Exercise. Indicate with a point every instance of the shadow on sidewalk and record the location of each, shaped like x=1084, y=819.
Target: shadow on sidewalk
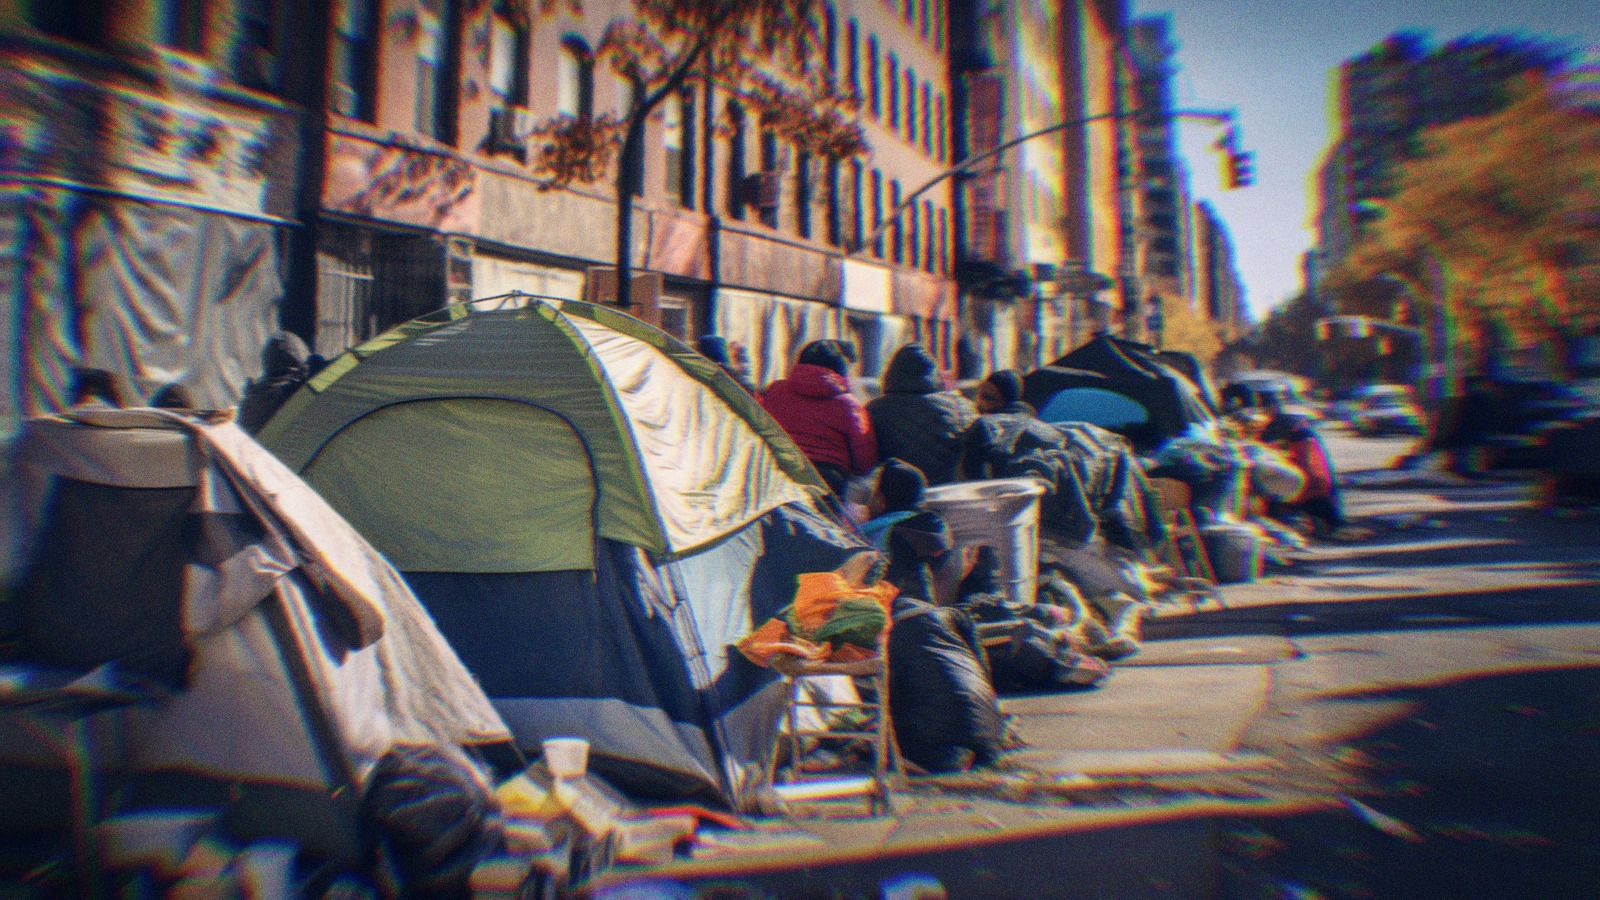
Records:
x=1536, y=605
x=1486, y=787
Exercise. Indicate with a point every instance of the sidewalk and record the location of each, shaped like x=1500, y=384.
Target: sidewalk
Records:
x=1154, y=748
x=1144, y=786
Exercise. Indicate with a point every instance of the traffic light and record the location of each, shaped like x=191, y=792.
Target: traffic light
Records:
x=1241, y=169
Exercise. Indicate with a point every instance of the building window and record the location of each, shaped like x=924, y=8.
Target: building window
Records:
x=736, y=139
x=893, y=79
x=910, y=11
x=508, y=55
x=73, y=20
x=830, y=40
x=183, y=25
x=256, y=53
x=677, y=136
x=803, y=193
x=944, y=241
x=930, y=250
x=877, y=211
x=926, y=20
x=575, y=79
x=436, y=81
x=351, y=89
x=938, y=23
x=835, y=223
x=633, y=90
x=874, y=87
x=897, y=245
x=769, y=173
x=914, y=233
x=855, y=196
x=911, y=105
x=852, y=62
x=941, y=130
x=927, y=118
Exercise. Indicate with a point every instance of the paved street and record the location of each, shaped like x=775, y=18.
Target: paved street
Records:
x=1414, y=715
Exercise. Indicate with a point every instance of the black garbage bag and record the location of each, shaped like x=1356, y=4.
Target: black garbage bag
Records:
x=1039, y=658
x=945, y=712
x=437, y=818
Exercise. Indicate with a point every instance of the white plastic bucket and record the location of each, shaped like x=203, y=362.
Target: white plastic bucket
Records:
x=1002, y=513
x=1237, y=551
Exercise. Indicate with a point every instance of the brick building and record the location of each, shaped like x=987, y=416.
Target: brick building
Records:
x=428, y=196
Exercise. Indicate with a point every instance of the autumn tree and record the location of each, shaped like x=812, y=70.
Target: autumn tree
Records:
x=1491, y=219
x=1185, y=328
x=765, y=53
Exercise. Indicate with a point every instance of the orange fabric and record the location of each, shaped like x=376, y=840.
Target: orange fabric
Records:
x=772, y=638
x=814, y=603
x=820, y=593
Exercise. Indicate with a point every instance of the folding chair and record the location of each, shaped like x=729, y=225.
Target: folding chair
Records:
x=793, y=781
x=1184, y=548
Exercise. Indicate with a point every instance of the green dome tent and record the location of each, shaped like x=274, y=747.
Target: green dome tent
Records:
x=591, y=511
x=535, y=395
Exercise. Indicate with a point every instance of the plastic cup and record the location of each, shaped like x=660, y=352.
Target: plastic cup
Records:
x=566, y=757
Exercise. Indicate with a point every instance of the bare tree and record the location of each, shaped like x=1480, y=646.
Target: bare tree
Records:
x=767, y=53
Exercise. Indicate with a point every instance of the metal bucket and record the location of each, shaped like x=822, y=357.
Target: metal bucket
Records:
x=1237, y=551
x=1002, y=513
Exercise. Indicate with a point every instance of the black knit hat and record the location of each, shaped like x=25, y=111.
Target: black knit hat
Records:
x=1008, y=384
x=901, y=485
x=835, y=356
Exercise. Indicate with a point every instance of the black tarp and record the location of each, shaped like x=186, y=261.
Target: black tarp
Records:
x=1173, y=401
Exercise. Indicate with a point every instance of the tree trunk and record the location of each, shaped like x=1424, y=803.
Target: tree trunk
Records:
x=627, y=186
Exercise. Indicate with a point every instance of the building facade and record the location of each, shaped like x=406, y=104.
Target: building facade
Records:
x=1165, y=229
x=1219, y=292
x=187, y=176
x=1043, y=236
x=1386, y=97
x=428, y=194
x=152, y=189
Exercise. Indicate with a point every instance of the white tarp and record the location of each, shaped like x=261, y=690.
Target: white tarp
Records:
x=158, y=294
x=496, y=275
x=771, y=329
x=398, y=681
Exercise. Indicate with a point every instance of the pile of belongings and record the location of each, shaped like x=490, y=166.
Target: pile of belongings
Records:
x=943, y=706
x=1099, y=516
x=834, y=618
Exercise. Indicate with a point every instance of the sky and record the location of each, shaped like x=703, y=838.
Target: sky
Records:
x=1276, y=62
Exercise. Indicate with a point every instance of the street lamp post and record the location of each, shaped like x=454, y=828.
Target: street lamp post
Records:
x=1216, y=117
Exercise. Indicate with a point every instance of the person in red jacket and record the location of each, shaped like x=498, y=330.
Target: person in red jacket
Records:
x=815, y=407
x=1319, y=499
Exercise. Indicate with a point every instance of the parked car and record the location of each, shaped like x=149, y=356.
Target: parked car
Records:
x=1257, y=388
x=1512, y=419
x=1387, y=409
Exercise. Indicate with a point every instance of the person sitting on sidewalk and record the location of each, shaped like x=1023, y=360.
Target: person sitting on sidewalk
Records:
x=815, y=406
x=917, y=420
x=1319, y=500
x=918, y=541
x=1007, y=430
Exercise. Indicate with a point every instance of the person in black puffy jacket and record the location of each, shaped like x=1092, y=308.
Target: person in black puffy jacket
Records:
x=917, y=420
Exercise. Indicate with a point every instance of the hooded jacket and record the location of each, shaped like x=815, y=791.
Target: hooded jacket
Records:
x=919, y=421
x=998, y=442
x=815, y=407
